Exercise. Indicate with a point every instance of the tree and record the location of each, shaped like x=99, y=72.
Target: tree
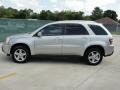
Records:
x=24, y=14
x=111, y=14
x=43, y=15
x=68, y=15
x=119, y=20
x=50, y=15
x=2, y=11
x=34, y=16
x=87, y=17
x=78, y=15
x=97, y=13
x=11, y=13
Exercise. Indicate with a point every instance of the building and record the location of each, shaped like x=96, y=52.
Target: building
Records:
x=110, y=24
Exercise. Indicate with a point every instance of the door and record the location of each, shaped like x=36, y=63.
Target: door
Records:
x=75, y=38
x=50, y=41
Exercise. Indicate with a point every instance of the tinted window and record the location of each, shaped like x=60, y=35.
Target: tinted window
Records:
x=98, y=30
x=53, y=30
x=75, y=29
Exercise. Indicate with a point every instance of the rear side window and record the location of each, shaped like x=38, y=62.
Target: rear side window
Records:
x=98, y=30
x=75, y=29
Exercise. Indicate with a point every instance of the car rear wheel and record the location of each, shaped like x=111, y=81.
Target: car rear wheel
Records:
x=93, y=56
x=20, y=54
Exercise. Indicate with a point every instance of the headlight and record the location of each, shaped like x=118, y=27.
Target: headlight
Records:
x=7, y=40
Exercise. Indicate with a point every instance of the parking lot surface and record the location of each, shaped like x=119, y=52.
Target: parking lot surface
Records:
x=61, y=73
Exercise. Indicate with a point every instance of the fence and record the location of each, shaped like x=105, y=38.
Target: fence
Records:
x=113, y=28
x=14, y=26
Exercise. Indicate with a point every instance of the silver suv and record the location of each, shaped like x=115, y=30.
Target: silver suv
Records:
x=82, y=38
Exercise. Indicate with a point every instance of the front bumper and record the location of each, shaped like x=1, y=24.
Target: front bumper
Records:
x=109, y=50
x=6, y=48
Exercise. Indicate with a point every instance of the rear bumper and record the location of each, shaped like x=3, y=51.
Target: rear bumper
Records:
x=109, y=50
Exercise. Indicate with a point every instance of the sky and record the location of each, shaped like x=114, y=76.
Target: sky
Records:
x=57, y=5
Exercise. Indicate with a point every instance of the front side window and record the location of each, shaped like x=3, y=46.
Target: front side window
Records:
x=75, y=29
x=98, y=30
x=53, y=30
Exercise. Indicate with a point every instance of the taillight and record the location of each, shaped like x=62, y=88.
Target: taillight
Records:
x=111, y=41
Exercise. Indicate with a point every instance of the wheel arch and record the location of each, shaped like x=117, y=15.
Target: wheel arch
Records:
x=96, y=46
x=20, y=44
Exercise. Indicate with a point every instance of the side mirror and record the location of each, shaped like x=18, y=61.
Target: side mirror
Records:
x=39, y=34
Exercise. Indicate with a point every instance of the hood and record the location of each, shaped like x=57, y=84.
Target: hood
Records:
x=20, y=36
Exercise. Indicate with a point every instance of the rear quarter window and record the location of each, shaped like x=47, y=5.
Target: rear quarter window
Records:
x=98, y=30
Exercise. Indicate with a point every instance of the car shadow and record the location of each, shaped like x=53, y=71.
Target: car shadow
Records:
x=57, y=59
x=50, y=59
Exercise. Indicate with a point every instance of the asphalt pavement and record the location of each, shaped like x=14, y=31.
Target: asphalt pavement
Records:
x=61, y=73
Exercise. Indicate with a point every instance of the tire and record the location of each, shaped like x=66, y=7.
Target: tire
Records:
x=93, y=56
x=20, y=54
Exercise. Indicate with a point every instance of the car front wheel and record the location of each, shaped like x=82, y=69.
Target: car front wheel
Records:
x=20, y=54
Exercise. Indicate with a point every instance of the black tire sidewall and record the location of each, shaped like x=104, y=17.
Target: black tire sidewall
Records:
x=90, y=50
x=25, y=49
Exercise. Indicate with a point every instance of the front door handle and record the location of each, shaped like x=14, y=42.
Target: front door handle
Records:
x=58, y=38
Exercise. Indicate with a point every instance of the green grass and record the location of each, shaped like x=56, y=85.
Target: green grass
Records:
x=115, y=33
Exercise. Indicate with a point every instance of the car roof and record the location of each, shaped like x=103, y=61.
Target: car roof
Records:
x=76, y=21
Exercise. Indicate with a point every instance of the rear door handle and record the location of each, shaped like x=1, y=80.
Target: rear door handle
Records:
x=84, y=38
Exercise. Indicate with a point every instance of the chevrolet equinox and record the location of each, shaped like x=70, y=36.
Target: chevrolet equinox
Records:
x=81, y=38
